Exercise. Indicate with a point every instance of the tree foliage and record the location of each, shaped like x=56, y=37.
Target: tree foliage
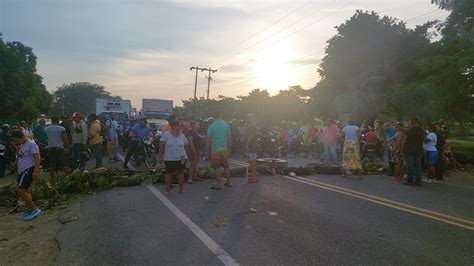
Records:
x=291, y=104
x=22, y=93
x=78, y=97
x=376, y=65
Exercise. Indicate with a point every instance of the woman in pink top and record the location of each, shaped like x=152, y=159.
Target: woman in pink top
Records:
x=330, y=136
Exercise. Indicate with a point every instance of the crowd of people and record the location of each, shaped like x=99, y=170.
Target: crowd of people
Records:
x=68, y=143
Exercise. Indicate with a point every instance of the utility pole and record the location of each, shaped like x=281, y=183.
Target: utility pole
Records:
x=195, y=84
x=209, y=78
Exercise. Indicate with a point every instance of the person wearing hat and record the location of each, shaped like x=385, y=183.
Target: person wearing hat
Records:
x=80, y=135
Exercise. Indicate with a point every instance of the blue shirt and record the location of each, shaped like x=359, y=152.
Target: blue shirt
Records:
x=350, y=133
x=218, y=132
x=112, y=125
x=141, y=131
x=391, y=132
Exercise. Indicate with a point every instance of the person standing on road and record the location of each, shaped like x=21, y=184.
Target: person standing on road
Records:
x=397, y=152
x=95, y=140
x=112, y=127
x=66, y=123
x=440, y=144
x=38, y=131
x=413, y=152
x=28, y=170
x=330, y=135
x=80, y=135
x=218, y=137
x=139, y=131
x=57, y=148
x=172, y=151
x=431, y=153
x=251, y=134
x=351, y=149
x=194, y=151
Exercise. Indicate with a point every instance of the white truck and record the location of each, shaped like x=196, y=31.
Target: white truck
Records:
x=157, y=111
x=119, y=107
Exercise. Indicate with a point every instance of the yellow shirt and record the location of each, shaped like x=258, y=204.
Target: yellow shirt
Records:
x=94, y=133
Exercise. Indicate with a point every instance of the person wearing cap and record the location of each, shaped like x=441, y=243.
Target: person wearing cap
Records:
x=80, y=135
x=38, y=131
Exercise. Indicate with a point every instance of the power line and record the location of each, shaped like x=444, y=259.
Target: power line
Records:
x=298, y=30
x=276, y=22
x=284, y=28
x=420, y=16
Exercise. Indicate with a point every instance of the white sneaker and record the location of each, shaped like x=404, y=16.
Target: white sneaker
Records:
x=434, y=181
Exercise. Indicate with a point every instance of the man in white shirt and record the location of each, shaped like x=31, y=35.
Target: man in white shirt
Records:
x=431, y=153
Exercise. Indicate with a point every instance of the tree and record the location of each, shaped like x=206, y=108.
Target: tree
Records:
x=78, y=97
x=291, y=104
x=22, y=93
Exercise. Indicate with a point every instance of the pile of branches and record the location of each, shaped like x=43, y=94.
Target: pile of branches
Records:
x=49, y=195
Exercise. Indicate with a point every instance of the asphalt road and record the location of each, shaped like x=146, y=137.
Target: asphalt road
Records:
x=316, y=220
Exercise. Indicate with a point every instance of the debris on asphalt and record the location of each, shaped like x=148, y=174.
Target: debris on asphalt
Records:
x=252, y=210
x=219, y=224
x=272, y=213
x=67, y=219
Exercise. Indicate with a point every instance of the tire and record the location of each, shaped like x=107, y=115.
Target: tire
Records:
x=150, y=158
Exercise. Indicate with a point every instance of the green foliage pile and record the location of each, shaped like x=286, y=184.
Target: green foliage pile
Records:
x=369, y=168
x=48, y=195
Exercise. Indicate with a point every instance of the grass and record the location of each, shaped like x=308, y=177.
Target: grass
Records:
x=463, y=147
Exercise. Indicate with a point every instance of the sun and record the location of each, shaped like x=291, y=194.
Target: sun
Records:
x=273, y=70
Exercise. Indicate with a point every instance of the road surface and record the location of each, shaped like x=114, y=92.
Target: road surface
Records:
x=315, y=220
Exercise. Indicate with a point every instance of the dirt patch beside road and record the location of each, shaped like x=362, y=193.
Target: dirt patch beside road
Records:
x=24, y=243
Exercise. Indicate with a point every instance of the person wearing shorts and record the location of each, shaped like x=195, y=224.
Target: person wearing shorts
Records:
x=431, y=153
x=251, y=147
x=218, y=137
x=57, y=145
x=28, y=170
x=172, y=151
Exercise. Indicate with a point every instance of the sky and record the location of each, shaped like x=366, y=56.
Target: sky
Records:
x=145, y=48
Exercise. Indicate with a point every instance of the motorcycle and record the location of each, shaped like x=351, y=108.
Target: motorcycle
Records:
x=146, y=153
x=267, y=145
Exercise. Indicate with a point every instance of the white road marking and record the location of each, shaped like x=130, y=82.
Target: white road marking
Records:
x=208, y=241
x=211, y=244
